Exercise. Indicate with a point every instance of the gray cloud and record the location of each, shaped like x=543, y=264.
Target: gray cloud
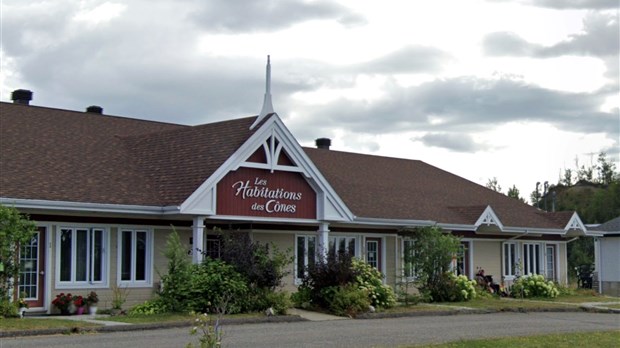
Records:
x=600, y=38
x=267, y=15
x=452, y=141
x=464, y=105
x=569, y=4
x=408, y=59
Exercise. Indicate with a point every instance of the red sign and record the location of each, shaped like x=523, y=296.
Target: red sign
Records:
x=257, y=192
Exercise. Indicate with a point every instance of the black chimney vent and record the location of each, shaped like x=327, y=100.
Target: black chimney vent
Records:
x=323, y=143
x=95, y=109
x=21, y=96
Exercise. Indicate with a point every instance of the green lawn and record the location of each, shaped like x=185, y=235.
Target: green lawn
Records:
x=583, y=339
x=13, y=324
x=169, y=317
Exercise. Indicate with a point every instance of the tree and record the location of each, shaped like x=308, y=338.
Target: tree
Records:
x=513, y=192
x=15, y=230
x=494, y=185
x=567, y=179
x=606, y=169
x=432, y=255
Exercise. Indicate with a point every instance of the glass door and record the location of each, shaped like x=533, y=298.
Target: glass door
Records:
x=32, y=272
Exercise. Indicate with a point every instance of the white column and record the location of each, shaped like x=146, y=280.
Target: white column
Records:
x=597, y=263
x=198, y=238
x=323, y=233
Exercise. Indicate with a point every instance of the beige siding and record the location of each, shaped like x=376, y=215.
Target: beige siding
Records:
x=487, y=255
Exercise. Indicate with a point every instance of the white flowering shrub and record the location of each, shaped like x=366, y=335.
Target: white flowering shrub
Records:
x=370, y=280
x=534, y=286
x=466, y=289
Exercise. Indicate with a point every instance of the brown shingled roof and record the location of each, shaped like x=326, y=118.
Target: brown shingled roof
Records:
x=60, y=155
x=393, y=188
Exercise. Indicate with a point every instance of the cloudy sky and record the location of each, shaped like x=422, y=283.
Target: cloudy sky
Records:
x=516, y=90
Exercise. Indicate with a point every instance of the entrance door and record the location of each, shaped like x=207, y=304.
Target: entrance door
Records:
x=373, y=252
x=32, y=273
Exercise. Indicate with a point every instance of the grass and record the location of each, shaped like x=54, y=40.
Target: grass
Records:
x=582, y=339
x=15, y=324
x=582, y=295
x=167, y=317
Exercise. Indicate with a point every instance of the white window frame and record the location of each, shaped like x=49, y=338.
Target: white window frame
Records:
x=510, y=263
x=529, y=267
x=89, y=283
x=306, y=240
x=411, y=276
x=148, y=262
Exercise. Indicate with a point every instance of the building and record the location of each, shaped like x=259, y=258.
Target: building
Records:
x=106, y=191
x=607, y=257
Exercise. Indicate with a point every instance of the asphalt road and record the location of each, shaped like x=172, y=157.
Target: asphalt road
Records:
x=345, y=333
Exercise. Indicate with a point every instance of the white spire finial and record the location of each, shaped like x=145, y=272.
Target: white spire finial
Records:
x=267, y=105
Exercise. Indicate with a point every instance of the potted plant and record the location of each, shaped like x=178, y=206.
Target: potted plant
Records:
x=79, y=303
x=92, y=299
x=63, y=302
x=22, y=305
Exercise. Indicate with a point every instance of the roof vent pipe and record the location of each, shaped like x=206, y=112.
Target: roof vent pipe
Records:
x=21, y=96
x=95, y=109
x=323, y=143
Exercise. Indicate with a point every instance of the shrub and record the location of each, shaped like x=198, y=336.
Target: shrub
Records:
x=371, y=280
x=534, y=286
x=263, y=265
x=466, y=289
x=348, y=299
x=156, y=306
x=175, y=282
x=326, y=275
x=302, y=298
x=214, y=286
x=432, y=255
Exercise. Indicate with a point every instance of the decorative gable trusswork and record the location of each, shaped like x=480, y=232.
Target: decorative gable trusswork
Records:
x=488, y=218
x=575, y=223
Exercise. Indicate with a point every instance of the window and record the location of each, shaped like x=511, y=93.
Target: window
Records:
x=531, y=258
x=510, y=260
x=212, y=247
x=461, y=261
x=343, y=244
x=134, y=257
x=305, y=254
x=550, y=261
x=80, y=259
x=408, y=255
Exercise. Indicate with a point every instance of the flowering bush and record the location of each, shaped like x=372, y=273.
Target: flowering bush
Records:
x=466, y=289
x=370, y=280
x=62, y=301
x=534, y=286
x=92, y=298
x=78, y=301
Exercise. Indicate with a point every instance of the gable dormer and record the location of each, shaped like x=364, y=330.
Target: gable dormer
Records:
x=489, y=220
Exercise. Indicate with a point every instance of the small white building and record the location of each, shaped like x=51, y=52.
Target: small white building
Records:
x=607, y=257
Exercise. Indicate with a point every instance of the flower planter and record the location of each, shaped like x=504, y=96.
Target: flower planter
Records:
x=22, y=312
x=92, y=309
x=79, y=311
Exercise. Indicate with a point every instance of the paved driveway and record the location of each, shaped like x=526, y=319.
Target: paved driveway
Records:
x=347, y=333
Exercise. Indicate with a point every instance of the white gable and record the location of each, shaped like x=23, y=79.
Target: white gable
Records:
x=274, y=139
x=488, y=218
